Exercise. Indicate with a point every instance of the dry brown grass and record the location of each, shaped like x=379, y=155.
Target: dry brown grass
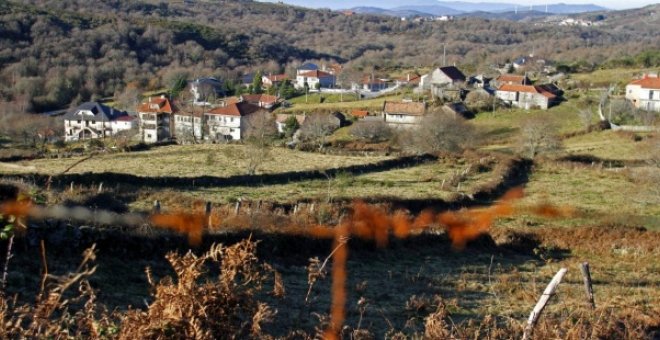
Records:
x=194, y=160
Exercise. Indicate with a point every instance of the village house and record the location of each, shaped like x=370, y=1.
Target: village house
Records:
x=645, y=93
x=448, y=76
x=315, y=79
x=94, y=120
x=511, y=79
x=374, y=84
x=403, y=114
x=408, y=79
x=188, y=124
x=155, y=119
x=444, y=82
x=229, y=122
x=206, y=90
x=527, y=96
x=273, y=80
x=281, y=118
x=261, y=100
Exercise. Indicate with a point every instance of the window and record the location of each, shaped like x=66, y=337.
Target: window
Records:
x=231, y=119
x=149, y=135
x=650, y=94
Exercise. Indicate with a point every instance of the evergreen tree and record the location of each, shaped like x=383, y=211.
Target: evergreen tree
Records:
x=257, y=83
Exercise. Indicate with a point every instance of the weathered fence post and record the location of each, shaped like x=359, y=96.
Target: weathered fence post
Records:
x=156, y=207
x=540, y=305
x=207, y=212
x=586, y=275
x=71, y=187
x=295, y=209
x=100, y=188
x=238, y=207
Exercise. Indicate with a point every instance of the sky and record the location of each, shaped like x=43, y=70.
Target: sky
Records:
x=612, y=4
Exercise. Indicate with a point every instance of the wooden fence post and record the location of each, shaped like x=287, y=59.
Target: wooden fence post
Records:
x=207, y=212
x=238, y=207
x=586, y=275
x=156, y=207
x=540, y=305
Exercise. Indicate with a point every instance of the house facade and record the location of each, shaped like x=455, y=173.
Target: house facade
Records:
x=315, y=79
x=448, y=76
x=92, y=120
x=205, y=90
x=229, y=122
x=527, y=96
x=261, y=100
x=155, y=119
x=188, y=125
x=403, y=114
x=273, y=80
x=645, y=93
x=512, y=79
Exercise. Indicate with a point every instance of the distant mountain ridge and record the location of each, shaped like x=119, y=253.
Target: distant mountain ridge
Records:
x=438, y=8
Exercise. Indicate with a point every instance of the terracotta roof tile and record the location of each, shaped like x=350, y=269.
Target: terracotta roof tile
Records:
x=648, y=82
x=237, y=109
x=527, y=89
x=156, y=105
x=513, y=78
x=359, y=113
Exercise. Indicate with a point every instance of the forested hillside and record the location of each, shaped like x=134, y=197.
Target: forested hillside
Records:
x=57, y=52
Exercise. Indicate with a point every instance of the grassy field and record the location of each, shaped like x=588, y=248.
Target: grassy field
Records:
x=604, y=78
x=195, y=160
x=420, y=182
x=332, y=103
x=610, y=145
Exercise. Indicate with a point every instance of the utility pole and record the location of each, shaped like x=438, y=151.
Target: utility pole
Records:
x=444, y=54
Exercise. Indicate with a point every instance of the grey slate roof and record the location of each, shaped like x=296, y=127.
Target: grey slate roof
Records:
x=453, y=73
x=100, y=111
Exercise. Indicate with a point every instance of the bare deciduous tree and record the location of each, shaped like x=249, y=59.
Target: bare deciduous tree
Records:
x=371, y=131
x=538, y=135
x=439, y=131
x=317, y=128
x=260, y=133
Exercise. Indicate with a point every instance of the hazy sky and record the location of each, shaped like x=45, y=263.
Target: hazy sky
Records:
x=613, y=4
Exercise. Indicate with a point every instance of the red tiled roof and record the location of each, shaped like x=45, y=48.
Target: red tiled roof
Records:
x=259, y=98
x=512, y=78
x=412, y=108
x=163, y=106
x=359, y=113
x=316, y=74
x=527, y=89
x=237, y=109
x=648, y=82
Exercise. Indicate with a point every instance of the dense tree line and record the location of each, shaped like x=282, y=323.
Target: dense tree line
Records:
x=55, y=53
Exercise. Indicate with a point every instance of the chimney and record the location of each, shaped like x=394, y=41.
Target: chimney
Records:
x=162, y=96
x=408, y=76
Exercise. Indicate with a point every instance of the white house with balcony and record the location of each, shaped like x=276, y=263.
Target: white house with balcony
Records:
x=188, y=125
x=94, y=120
x=645, y=93
x=229, y=122
x=155, y=119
